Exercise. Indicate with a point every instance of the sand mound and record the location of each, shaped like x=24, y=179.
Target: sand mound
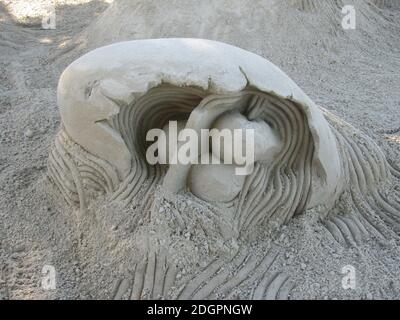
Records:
x=267, y=27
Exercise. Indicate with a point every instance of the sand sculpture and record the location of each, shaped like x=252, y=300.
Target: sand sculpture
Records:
x=306, y=157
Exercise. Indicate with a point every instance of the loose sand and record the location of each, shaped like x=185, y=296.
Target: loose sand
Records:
x=354, y=74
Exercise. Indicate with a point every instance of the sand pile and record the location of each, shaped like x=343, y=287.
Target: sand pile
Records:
x=266, y=27
x=101, y=253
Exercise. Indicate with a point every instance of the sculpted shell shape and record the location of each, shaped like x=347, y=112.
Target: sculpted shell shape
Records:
x=112, y=96
x=100, y=86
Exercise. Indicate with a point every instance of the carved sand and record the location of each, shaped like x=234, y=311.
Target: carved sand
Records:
x=109, y=99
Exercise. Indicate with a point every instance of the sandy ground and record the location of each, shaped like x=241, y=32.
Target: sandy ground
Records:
x=356, y=76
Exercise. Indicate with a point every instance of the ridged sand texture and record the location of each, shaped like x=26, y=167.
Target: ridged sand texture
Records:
x=323, y=159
